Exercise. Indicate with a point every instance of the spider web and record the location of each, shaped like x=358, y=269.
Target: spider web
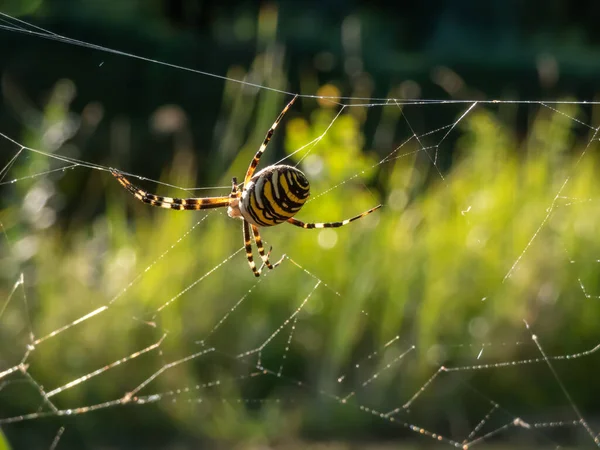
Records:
x=229, y=360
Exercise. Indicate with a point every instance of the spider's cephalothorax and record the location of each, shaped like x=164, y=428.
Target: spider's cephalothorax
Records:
x=269, y=197
x=274, y=195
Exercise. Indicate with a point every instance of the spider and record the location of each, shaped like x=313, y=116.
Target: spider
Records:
x=270, y=197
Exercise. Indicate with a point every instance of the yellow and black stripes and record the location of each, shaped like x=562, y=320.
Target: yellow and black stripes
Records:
x=301, y=224
x=169, y=202
x=248, y=247
x=274, y=195
x=261, y=250
x=263, y=147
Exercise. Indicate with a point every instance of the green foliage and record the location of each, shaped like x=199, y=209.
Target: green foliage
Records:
x=505, y=229
x=3, y=442
x=454, y=258
x=18, y=8
x=430, y=267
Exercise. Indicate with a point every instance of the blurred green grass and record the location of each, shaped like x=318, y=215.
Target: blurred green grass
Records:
x=429, y=267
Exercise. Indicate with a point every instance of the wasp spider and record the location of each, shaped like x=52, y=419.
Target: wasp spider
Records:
x=269, y=197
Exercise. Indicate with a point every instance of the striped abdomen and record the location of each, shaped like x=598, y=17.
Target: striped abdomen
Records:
x=273, y=195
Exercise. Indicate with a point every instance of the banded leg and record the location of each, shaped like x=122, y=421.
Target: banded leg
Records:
x=170, y=202
x=261, y=250
x=301, y=224
x=234, y=188
x=248, y=247
x=268, y=137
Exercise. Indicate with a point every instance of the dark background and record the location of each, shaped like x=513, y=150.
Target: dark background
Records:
x=500, y=49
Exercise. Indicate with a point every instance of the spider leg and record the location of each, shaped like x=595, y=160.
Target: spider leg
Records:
x=268, y=137
x=234, y=188
x=301, y=224
x=261, y=250
x=170, y=202
x=248, y=246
